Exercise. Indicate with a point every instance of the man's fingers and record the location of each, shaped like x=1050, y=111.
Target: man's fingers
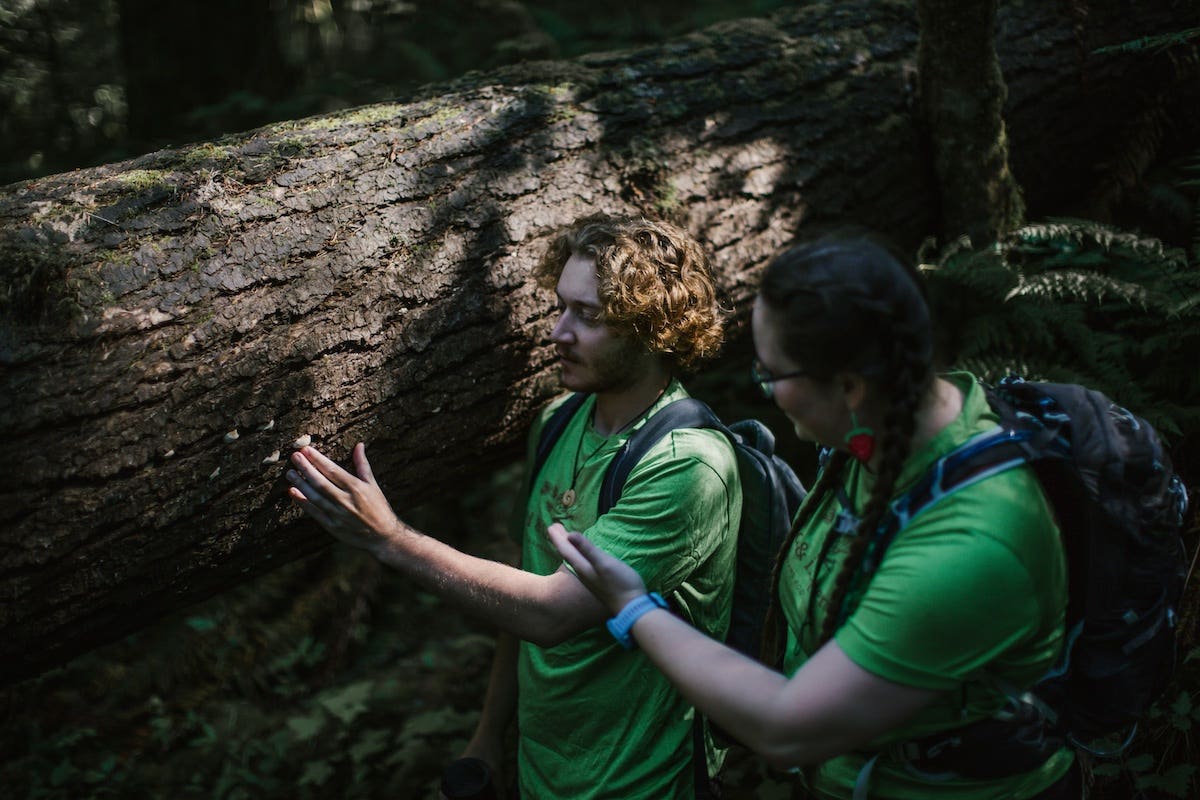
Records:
x=361, y=465
x=328, y=469
x=307, y=467
x=309, y=507
x=570, y=553
x=558, y=537
x=587, y=548
x=317, y=495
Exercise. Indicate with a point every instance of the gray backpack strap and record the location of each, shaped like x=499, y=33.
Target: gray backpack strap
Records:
x=685, y=413
x=552, y=431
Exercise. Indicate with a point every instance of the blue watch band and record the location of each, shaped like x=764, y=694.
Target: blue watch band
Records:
x=621, y=625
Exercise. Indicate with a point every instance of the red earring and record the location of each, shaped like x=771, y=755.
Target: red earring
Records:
x=860, y=441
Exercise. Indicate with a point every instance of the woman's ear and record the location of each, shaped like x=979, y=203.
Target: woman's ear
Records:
x=854, y=389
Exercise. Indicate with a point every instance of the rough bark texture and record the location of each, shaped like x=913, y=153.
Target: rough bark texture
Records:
x=174, y=323
x=962, y=100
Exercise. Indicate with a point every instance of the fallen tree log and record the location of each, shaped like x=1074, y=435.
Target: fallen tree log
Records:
x=174, y=323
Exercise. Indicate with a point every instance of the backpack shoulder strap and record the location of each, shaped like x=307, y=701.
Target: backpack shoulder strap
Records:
x=980, y=457
x=552, y=430
x=687, y=412
x=1031, y=431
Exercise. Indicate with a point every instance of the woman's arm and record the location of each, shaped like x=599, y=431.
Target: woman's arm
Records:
x=829, y=707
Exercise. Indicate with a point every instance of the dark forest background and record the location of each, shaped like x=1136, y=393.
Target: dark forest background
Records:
x=85, y=83
x=330, y=677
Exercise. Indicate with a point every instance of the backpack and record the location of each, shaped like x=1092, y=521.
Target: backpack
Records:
x=771, y=494
x=1120, y=510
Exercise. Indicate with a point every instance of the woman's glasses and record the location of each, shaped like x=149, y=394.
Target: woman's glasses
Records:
x=766, y=379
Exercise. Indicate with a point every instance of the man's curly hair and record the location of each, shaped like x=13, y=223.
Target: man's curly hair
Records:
x=655, y=283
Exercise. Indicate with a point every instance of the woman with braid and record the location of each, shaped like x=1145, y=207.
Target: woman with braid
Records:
x=966, y=603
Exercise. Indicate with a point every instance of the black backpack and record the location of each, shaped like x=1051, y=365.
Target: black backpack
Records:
x=1120, y=509
x=771, y=494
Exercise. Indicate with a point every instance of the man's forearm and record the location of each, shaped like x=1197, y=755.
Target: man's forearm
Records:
x=543, y=609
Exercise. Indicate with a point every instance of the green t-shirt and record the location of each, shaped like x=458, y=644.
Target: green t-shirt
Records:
x=970, y=594
x=596, y=720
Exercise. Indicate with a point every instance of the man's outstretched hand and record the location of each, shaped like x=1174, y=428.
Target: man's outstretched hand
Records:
x=351, y=507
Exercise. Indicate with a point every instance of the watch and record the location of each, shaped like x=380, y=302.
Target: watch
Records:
x=621, y=625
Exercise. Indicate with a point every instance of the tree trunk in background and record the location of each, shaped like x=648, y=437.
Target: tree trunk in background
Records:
x=177, y=321
x=962, y=101
x=178, y=56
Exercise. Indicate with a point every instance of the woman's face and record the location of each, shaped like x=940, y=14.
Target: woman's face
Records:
x=818, y=410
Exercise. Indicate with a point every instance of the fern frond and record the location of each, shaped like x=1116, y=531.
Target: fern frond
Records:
x=1185, y=307
x=1072, y=235
x=1160, y=42
x=1056, y=234
x=1077, y=285
x=1077, y=301
x=978, y=277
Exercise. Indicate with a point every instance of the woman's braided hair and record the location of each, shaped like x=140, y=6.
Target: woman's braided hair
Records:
x=848, y=304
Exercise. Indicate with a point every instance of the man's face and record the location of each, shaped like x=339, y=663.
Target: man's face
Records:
x=593, y=358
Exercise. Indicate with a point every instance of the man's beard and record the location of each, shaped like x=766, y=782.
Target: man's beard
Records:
x=615, y=370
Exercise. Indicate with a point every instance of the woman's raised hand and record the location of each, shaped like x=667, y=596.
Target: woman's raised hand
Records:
x=613, y=581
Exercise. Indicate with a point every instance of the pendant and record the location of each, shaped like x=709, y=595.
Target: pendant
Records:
x=568, y=498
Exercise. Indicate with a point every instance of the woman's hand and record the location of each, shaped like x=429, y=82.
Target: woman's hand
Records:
x=351, y=507
x=613, y=581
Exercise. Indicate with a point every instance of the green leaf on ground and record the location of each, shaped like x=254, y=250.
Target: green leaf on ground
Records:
x=316, y=773
x=201, y=624
x=432, y=723
x=1140, y=763
x=348, y=702
x=369, y=744
x=305, y=728
x=1177, y=780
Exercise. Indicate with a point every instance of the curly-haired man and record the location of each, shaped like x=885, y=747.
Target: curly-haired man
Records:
x=636, y=305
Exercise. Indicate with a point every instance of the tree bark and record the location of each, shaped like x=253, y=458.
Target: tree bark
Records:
x=962, y=99
x=174, y=323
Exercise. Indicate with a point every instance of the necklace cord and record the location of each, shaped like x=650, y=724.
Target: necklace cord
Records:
x=568, y=497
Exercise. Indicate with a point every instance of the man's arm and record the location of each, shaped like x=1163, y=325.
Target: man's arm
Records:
x=542, y=609
x=499, y=706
